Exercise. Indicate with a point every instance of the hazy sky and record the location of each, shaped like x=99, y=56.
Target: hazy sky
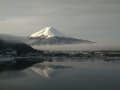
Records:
x=96, y=20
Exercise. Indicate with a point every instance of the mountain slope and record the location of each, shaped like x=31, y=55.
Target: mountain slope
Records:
x=50, y=35
x=47, y=32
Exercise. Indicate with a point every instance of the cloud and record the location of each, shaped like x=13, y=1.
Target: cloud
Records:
x=58, y=8
x=16, y=25
x=89, y=19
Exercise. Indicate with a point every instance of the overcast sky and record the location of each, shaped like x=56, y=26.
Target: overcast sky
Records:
x=96, y=20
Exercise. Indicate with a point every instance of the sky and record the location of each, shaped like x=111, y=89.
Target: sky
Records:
x=96, y=20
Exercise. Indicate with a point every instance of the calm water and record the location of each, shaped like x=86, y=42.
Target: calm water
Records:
x=71, y=75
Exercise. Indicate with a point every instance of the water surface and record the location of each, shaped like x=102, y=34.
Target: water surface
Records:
x=71, y=75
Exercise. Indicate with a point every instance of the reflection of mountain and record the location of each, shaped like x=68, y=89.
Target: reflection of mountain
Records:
x=16, y=65
x=47, y=70
x=50, y=35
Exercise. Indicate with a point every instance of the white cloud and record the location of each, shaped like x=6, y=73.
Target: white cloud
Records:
x=90, y=19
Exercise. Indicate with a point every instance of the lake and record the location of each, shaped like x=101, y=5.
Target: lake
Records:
x=63, y=75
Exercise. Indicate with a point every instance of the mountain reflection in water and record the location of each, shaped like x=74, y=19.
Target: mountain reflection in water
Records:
x=64, y=74
x=46, y=70
x=36, y=66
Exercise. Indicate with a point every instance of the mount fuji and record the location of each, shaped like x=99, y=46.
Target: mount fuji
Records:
x=47, y=32
x=50, y=35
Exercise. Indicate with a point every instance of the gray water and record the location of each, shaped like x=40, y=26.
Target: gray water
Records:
x=71, y=75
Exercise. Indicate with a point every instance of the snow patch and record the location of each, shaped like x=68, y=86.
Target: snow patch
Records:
x=47, y=32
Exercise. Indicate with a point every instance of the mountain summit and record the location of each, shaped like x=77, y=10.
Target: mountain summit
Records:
x=50, y=35
x=47, y=32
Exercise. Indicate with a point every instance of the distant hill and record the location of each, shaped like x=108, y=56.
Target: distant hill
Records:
x=13, y=43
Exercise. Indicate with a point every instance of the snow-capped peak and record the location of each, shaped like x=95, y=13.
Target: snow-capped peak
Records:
x=47, y=32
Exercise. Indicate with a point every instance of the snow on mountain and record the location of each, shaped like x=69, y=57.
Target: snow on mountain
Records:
x=47, y=32
x=50, y=35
